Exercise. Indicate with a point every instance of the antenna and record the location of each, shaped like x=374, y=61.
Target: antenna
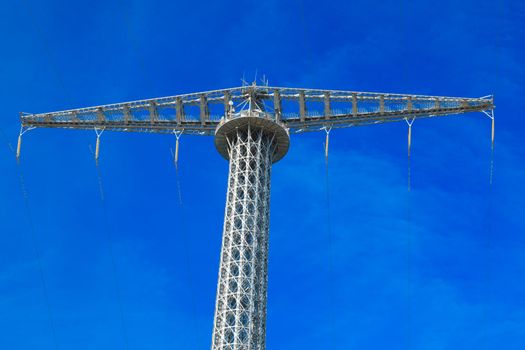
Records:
x=264, y=81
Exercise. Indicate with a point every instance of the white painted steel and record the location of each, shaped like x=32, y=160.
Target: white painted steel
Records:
x=240, y=313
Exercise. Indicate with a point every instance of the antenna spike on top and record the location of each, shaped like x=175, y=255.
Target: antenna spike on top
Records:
x=264, y=80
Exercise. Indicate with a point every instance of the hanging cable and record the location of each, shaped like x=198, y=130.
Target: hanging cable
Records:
x=491, y=116
x=36, y=249
x=110, y=243
x=492, y=150
x=109, y=238
x=98, y=132
x=492, y=153
x=33, y=234
x=59, y=78
x=406, y=77
x=177, y=134
x=23, y=130
x=327, y=141
x=327, y=130
x=19, y=146
x=409, y=145
x=183, y=232
x=492, y=137
x=489, y=266
x=9, y=145
x=54, y=67
x=114, y=267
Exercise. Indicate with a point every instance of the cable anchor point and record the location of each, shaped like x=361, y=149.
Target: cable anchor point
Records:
x=98, y=132
x=177, y=134
x=409, y=123
x=327, y=129
x=490, y=114
x=409, y=146
x=23, y=130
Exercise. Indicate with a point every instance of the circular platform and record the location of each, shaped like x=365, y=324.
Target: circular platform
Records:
x=282, y=138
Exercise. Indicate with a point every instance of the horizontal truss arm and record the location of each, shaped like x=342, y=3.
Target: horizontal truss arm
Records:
x=300, y=110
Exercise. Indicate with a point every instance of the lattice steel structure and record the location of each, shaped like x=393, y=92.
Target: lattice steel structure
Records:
x=252, y=139
x=299, y=110
x=240, y=316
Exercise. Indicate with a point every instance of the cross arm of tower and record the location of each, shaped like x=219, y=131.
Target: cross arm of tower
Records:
x=299, y=110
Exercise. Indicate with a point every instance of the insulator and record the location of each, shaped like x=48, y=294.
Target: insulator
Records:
x=18, y=147
x=409, y=138
x=176, y=158
x=492, y=135
x=97, y=147
x=326, y=145
x=492, y=152
x=409, y=144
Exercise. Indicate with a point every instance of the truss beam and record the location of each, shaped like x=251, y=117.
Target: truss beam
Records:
x=308, y=111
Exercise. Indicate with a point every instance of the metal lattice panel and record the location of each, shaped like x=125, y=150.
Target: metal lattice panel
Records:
x=240, y=316
x=299, y=110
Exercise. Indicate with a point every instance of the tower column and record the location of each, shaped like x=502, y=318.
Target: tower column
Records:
x=251, y=145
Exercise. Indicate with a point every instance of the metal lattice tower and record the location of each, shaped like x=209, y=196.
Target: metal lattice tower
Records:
x=252, y=140
x=253, y=143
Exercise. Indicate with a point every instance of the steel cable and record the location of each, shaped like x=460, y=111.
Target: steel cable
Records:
x=59, y=77
x=35, y=244
x=54, y=68
x=489, y=241
x=36, y=249
x=60, y=80
x=408, y=153
x=492, y=152
x=330, y=243
x=403, y=40
x=114, y=267
x=185, y=241
x=141, y=62
x=309, y=59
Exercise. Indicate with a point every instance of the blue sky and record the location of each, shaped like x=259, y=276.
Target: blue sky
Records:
x=440, y=267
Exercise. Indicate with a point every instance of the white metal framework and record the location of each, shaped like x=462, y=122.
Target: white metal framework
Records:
x=299, y=110
x=240, y=315
x=251, y=140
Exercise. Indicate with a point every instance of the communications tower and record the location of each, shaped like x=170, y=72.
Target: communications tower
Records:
x=251, y=125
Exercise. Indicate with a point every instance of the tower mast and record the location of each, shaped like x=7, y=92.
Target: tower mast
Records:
x=252, y=142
